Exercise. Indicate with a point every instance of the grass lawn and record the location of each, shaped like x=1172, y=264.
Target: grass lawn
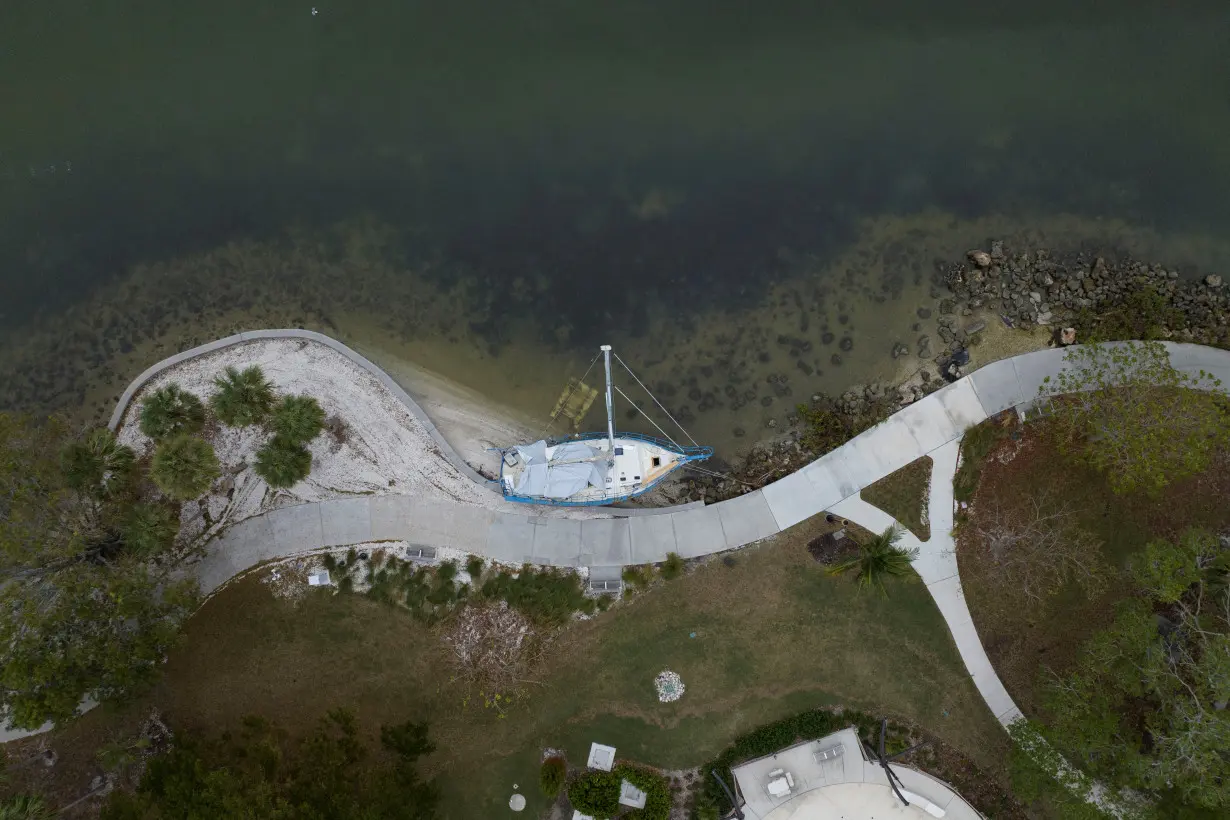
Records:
x=774, y=635
x=1022, y=640
x=904, y=494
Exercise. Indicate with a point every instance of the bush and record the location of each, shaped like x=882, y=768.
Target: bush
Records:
x=183, y=467
x=672, y=567
x=171, y=411
x=298, y=419
x=658, y=799
x=636, y=576
x=595, y=793
x=548, y=596
x=552, y=776
x=283, y=463
x=97, y=465
x=474, y=566
x=149, y=529
x=244, y=397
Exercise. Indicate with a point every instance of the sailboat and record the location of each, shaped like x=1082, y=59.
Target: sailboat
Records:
x=593, y=469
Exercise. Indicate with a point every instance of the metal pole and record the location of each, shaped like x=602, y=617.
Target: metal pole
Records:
x=610, y=407
x=725, y=788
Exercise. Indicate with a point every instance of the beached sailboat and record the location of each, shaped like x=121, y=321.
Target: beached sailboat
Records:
x=591, y=469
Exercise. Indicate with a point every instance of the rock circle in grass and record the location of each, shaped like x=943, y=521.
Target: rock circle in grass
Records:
x=669, y=685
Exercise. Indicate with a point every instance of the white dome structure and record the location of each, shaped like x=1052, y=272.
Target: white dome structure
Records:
x=517, y=802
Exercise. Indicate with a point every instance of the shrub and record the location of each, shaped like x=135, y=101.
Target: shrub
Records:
x=183, y=467
x=149, y=529
x=283, y=463
x=548, y=596
x=552, y=776
x=171, y=411
x=474, y=566
x=298, y=419
x=595, y=793
x=636, y=576
x=658, y=799
x=97, y=464
x=244, y=397
x=672, y=567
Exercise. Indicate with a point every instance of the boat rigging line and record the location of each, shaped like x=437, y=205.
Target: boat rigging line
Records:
x=655, y=401
x=646, y=415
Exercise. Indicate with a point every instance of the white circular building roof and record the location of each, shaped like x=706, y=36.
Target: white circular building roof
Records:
x=847, y=801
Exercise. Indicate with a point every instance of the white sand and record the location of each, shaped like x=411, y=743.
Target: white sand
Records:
x=386, y=449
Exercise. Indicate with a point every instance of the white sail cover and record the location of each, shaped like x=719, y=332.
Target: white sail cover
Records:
x=572, y=467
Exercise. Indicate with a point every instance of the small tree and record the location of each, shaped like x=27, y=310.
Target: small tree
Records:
x=878, y=559
x=97, y=465
x=1134, y=418
x=552, y=776
x=283, y=463
x=150, y=529
x=170, y=411
x=244, y=397
x=1037, y=546
x=184, y=467
x=298, y=419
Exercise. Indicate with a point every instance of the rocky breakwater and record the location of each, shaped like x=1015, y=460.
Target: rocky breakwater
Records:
x=1085, y=296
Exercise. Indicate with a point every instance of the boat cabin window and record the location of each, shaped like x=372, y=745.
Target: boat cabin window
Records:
x=619, y=451
x=657, y=461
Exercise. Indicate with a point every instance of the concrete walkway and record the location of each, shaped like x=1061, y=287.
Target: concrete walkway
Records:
x=931, y=426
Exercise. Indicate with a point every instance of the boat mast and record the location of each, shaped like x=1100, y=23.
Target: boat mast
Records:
x=610, y=409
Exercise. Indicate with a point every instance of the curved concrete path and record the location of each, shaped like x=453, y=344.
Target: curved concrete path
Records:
x=931, y=426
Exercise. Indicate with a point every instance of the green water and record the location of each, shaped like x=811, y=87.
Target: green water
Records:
x=494, y=185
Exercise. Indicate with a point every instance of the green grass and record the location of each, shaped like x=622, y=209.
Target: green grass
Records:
x=774, y=636
x=904, y=495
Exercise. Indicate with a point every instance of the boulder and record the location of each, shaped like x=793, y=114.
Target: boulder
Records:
x=980, y=258
x=1213, y=280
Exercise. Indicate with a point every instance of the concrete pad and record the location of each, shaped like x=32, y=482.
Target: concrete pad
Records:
x=698, y=532
x=829, y=483
x=557, y=541
x=390, y=517
x=296, y=529
x=746, y=518
x=962, y=406
x=606, y=541
x=793, y=499
x=928, y=421
x=653, y=536
x=345, y=521
x=449, y=524
x=510, y=539
x=996, y=386
x=1033, y=368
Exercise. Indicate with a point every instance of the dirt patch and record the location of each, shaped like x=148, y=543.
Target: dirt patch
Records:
x=1027, y=640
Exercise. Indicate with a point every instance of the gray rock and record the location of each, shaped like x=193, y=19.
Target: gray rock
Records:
x=947, y=306
x=924, y=313
x=1035, y=297
x=976, y=327
x=1213, y=280
x=846, y=344
x=900, y=350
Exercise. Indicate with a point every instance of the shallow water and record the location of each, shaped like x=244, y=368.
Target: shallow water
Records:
x=493, y=189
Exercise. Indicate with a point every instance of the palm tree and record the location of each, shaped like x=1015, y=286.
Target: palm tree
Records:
x=244, y=397
x=171, y=410
x=298, y=419
x=25, y=807
x=149, y=529
x=97, y=465
x=877, y=559
x=183, y=467
x=283, y=463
